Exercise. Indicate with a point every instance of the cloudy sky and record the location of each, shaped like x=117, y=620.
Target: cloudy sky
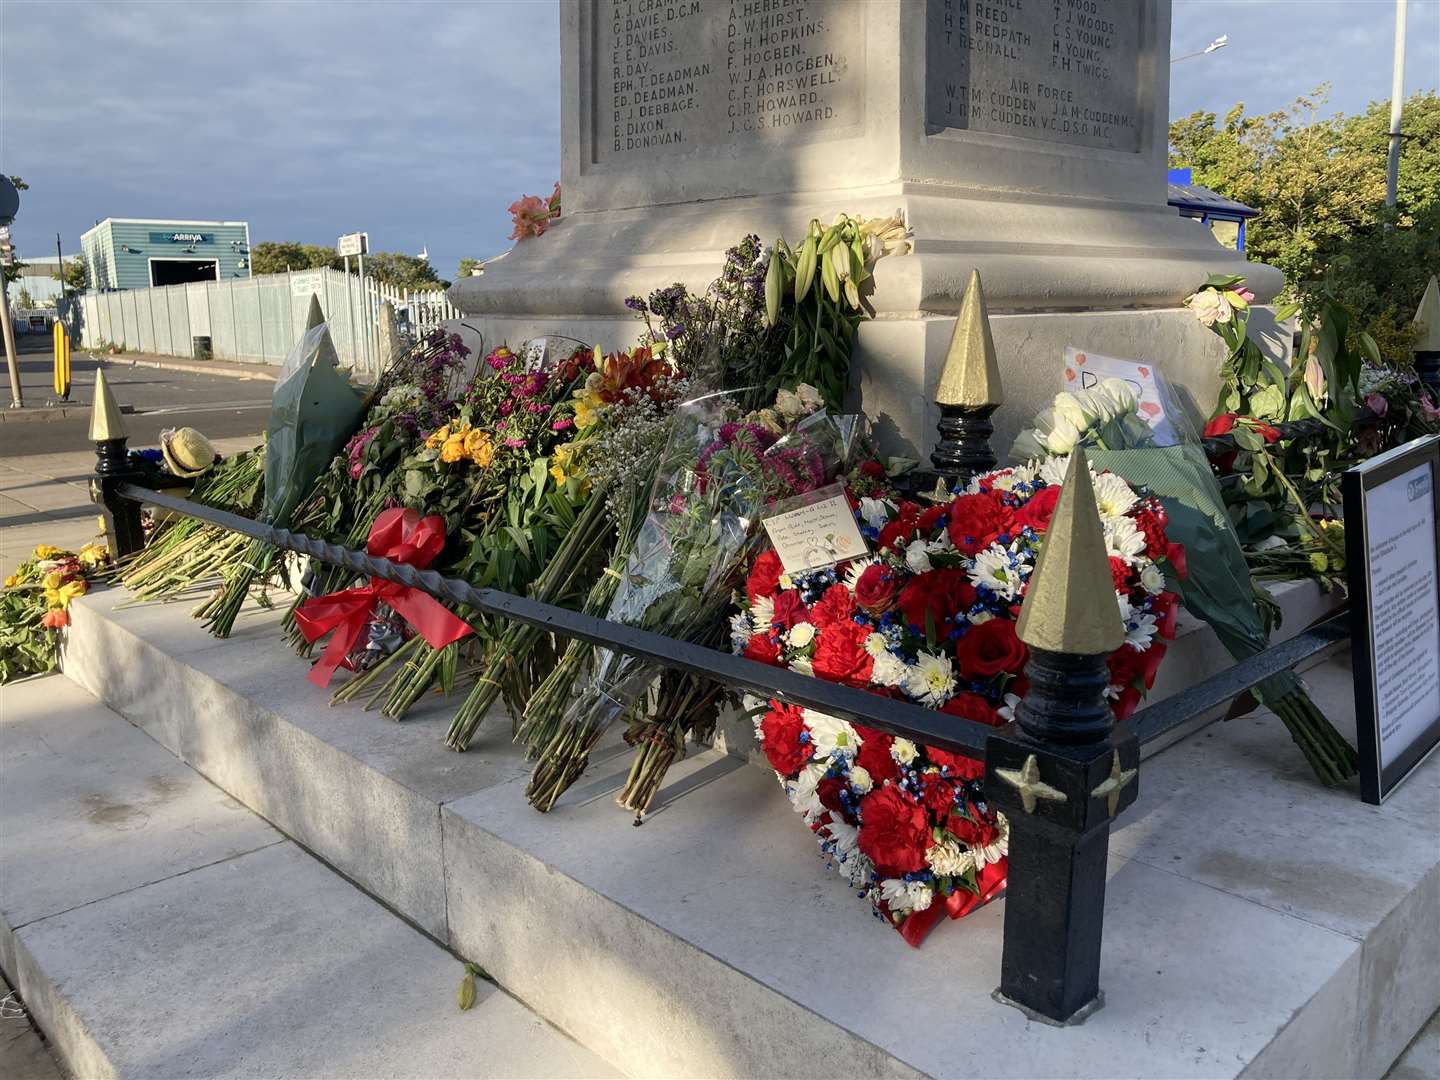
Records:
x=421, y=122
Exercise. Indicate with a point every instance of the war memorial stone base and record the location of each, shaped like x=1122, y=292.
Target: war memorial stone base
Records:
x=1025, y=138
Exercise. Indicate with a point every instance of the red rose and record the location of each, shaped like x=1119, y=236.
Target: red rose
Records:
x=939, y=796
x=874, y=755
x=875, y=590
x=764, y=576
x=971, y=707
x=1119, y=574
x=790, y=609
x=990, y=648
x=828, y=792
x=1039, y=510
x=897, y=531
x=837, y=605
x=873, y=469
x=976, y=833
x=761, y=648
x=1220, y=425
x=894, y=832
x=840, y=655
x=781, y=729
x=975, y=521
x=942, y=593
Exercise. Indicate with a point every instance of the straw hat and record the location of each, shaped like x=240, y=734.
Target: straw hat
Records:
x=186, y=452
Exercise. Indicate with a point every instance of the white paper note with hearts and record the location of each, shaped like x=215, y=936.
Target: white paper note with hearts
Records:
x=1086, y=369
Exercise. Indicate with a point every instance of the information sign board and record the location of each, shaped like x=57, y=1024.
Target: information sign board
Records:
x=355, y=243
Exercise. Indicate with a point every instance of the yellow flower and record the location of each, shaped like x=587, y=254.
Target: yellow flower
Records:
x=93, y=554
x=47, y=551
x=437, y=437
x=454, y=449
x=12, y=581
x=587, y=409
x=479, y=448
x=59, y=593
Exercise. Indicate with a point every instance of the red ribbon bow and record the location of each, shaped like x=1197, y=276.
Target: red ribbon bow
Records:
x=401, y=536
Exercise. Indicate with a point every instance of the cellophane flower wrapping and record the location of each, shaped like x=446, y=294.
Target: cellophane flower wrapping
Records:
x=716, y=476
x=930, y=618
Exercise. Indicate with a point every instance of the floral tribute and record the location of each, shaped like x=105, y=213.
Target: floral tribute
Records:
x=36, y=603
x=930, y=618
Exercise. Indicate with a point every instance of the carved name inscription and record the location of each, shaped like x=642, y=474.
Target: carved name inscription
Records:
x=675, y=75
x=1065, y=71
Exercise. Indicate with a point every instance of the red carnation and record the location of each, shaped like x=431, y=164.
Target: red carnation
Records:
x=781, y=729
x=942, y=593
x=873, y=469
x=930, y=518
x=1039, y=510
x=976, y=833
x=761, y=648
x=894, y=832
x=939, y=796
x=971, y=707
x=990, y=648
x=875, y=590
x=1151, y=520
x=837, y=605
x=895, y=532
x=976, y=520
x=764, y=576
x=840, y=655
x=958, y=766
x=1119, y=574
x=874, y=755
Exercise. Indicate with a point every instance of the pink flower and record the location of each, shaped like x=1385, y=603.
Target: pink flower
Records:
x=514, y=444
x=1427, y=410
x=1245, y=294
x=530, y=216
x=1377, y=403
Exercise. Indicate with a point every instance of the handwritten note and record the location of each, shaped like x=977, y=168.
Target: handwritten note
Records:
x=1086, y=369
x=816, y=535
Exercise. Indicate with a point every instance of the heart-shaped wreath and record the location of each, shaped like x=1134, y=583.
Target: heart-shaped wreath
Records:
x=930, y=617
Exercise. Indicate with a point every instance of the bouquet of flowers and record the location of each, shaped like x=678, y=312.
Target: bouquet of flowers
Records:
x=930, y=617
x=35, y=606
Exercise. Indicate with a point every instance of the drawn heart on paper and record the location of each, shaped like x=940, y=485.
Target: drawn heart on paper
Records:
x=1069, y=374
x=1080, y=358
x=1144, y=372
x=1149, y=408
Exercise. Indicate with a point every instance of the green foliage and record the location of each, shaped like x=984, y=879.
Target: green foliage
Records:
x=12, y=273
x=1319, y=183
x=23, y=300
x=76, y=274
x=469, y=266
x=275, y=257
x=401, y=271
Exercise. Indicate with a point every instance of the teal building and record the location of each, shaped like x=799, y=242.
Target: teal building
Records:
x=136, y=253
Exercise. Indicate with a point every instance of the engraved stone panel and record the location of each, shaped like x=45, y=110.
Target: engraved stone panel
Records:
x=676, y=75
x=1065, y=71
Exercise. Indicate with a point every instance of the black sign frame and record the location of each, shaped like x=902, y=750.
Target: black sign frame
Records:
x=1379, y=780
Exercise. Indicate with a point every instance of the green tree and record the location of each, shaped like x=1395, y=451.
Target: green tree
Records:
x=401, y=271
x=469, y=266
x=77, y=275
x=23, y=300
x=1319, y=184
x=276, y=257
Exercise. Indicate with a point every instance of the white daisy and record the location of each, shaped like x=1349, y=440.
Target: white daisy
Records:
x=802, y=790
x=1122, y=538
x=993, y=568
x=997, y=849
x=830, y=736
x=1140, y=632
x=1052, y=469
x=875, y=645
x=948, y=858
x=860, y=778
x=854, y=570
x=931, y=680
x=803, y=664
x=889, y=670
x=904, y=896
x=903, y=751
x=1113, y=496
x=762, y=614
x=1126, y=609
x=1152, y=580
x=800, y=635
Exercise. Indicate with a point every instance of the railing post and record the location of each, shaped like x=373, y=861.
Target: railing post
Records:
x=1059, y=772
x=1427, y=341
x=112, y=468
x=968, y=392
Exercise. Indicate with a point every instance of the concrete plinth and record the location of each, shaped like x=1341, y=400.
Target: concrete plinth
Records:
x=1256, y=924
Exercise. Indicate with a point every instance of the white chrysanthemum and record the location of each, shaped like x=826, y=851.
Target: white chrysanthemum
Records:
x=803, y=790
x=889, y=670
x=903, y=751
x=830, y=736
x=1140, y=631
x=992, y=567
x=1126, y=608
x=917, y=556
x=998, y=847
x=1113, y=496
x=803, y=665
x=851, y=862
x=875, y=645
x=786, y=581
x=860, y=778
x=1152, y=580
x=874, y=512
x=762, y=614
x=931, y=680
x=800, y=635
x=843, y=837
x=1052, y=469
x=740, y=631
x=949, y=859
x=854, y=570
x=902, y=896
x=1010, y=479
x=1122, y=538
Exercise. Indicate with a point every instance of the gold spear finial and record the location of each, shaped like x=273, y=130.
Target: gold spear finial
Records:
x=971, y=374
x=1427, y=319
x=1070, y=606
x=106, y=420
x=314, y=317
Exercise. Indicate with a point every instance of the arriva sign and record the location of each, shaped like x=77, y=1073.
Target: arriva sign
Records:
x=181, y=237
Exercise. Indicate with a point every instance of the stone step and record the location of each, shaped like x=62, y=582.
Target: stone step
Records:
x=1256, y=924
x=156, y=927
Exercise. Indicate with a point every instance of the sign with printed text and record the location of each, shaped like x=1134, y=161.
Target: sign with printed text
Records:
x=306, y=282
x=820, y=533
x=1084, y=370
x=1392, y=538
x=355, y=243
x=181, y=237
